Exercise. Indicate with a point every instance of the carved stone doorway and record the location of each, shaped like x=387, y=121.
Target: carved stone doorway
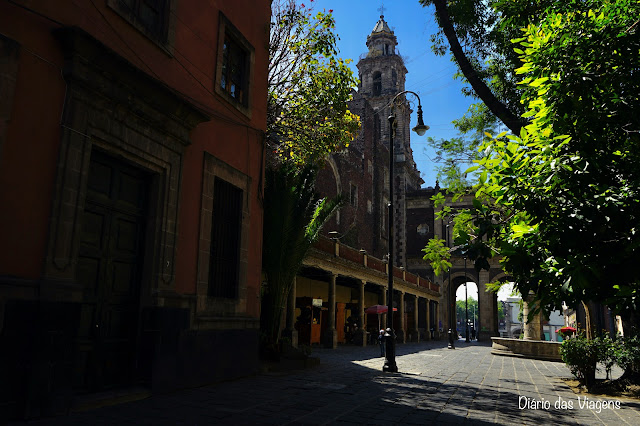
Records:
x=109, y=268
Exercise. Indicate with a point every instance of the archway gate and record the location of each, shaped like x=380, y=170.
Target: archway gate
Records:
x=487, y=301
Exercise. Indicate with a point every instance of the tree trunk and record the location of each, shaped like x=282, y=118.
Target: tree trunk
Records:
x=273, y=304
x=629, y=324
x=270, y=319
x=500, y=110
x=589, y=325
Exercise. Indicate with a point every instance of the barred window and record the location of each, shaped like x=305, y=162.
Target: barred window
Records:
x=224, y=261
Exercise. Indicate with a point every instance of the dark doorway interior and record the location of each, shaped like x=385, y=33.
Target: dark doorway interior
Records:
x=109, y=267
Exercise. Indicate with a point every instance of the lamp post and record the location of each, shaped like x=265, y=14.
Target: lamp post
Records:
x=473, y=318
x=452, y=314
x=451, y=301
x=420, y=129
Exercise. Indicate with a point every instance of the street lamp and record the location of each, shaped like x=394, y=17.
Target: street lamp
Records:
x=473, y=319
x=451, y=301
x=452, y=314
x=390, y=359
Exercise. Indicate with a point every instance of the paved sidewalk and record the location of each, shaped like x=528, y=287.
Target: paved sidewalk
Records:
x=435, y=385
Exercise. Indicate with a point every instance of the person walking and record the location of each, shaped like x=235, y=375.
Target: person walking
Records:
x=382, y=342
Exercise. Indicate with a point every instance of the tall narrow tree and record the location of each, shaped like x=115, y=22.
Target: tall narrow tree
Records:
x=308, y=118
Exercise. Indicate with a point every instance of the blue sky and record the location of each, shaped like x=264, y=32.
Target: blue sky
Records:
x=429, y=76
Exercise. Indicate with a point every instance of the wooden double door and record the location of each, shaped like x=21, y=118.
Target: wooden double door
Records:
x=110, y=269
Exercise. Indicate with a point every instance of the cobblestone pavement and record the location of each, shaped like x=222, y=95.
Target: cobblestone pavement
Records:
x=435, y=385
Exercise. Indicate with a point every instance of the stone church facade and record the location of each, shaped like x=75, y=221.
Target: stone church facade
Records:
x=361, y=173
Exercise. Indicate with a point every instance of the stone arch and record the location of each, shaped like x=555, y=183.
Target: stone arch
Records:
x=458, y=279
x=448, y=299
x=512, y=329
x=336, y=174
x=488, y=304
x=499, y=276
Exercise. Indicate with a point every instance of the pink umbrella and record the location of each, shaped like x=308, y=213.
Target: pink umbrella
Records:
x=378, y=309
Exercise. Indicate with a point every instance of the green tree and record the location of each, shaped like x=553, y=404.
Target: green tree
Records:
x=478, y=35
x=454, y=155
x=308, y=118
x=438, y=255
x=561, y=201
x=293, y=218
x=567, y=187
x=478, y=39
x=309, y=87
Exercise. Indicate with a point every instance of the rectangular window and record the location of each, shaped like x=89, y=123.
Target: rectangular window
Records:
x=150, y=16
x=235, y=66
x=226, y=226
x=233, y=78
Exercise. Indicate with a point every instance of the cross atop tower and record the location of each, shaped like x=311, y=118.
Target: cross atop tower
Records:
x=381, y=9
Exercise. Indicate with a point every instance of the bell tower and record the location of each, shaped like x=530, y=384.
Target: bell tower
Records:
x=382, y=76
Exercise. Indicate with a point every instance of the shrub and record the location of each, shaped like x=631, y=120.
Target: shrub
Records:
x=628, y=353
x=581, y=356
x=607, y=351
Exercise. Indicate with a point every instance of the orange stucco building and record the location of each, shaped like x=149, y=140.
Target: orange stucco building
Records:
x=131, y=180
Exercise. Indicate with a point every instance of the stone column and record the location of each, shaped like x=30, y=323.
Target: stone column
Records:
x=402, y=338
x=533, y=328
x=415, y=317
x=290, y=329
x=488, y=315
x=360, y=338
x=427, y=312
x=332, y=335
